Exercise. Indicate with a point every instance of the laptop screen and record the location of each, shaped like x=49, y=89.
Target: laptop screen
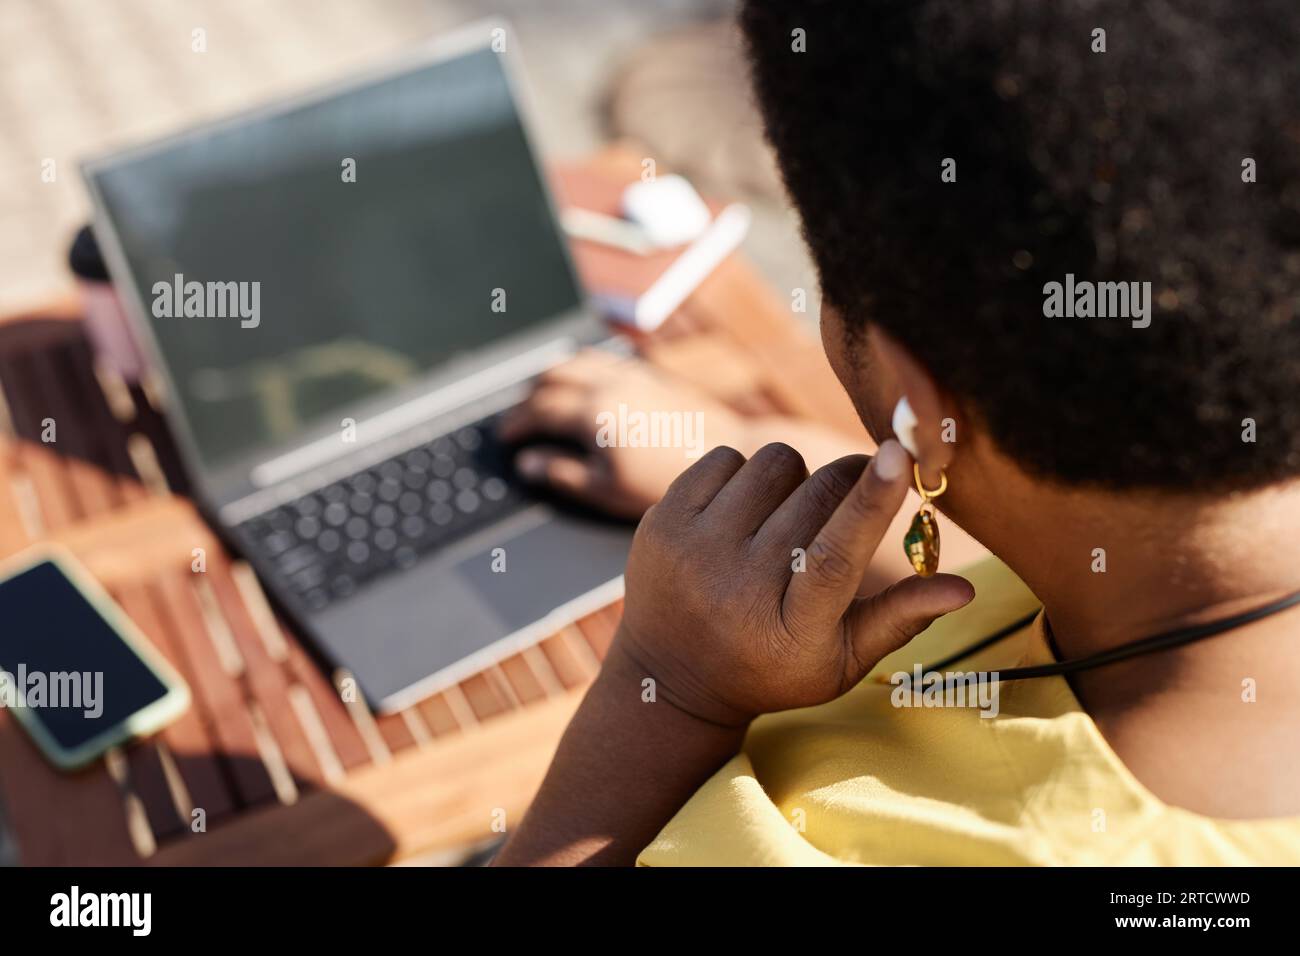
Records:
x=295, y=264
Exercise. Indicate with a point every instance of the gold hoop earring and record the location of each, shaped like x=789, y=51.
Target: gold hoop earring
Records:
x=921, y=543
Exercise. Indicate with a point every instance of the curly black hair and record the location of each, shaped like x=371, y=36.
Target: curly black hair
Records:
x=1123, y=165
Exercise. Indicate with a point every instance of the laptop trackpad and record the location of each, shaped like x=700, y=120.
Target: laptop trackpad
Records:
x=545, y=567
x=411, y=625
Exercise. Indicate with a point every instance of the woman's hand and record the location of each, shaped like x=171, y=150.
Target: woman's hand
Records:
x=620, y=480
x=742, y=583
x=719, y=620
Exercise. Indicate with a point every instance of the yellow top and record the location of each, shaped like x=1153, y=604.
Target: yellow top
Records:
x=860, y=780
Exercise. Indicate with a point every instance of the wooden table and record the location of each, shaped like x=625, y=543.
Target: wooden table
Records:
x=270, y=760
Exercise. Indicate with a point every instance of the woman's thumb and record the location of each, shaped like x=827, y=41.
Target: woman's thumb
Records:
x=884, y=622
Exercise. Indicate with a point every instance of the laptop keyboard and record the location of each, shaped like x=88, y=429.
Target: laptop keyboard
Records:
x=326, y=544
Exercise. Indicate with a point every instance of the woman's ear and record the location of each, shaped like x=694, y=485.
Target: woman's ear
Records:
x=925, y=421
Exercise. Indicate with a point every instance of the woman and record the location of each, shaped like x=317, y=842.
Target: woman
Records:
x=1132, y=467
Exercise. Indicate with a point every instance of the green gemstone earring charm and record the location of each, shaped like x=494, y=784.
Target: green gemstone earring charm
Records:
x=921, y=543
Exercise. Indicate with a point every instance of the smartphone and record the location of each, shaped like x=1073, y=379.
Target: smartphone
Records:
x=74, y=670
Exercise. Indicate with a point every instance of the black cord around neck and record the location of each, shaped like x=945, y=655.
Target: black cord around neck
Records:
x=1147, y=645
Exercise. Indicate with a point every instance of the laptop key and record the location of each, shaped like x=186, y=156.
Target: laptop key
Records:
x=294, y=561
x=309, y=578
x=277, y=542
x=308, y=506
x=469, y=438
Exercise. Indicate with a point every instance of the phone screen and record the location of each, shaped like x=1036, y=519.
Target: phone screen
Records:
x=66, y=665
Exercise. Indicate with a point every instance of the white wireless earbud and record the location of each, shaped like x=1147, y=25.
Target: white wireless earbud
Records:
x=904, y=424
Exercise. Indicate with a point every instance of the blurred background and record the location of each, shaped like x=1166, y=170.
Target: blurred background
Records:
x=78, y=77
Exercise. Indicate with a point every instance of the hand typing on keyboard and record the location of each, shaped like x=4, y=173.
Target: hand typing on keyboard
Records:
x=625, y=481
x=619, y=480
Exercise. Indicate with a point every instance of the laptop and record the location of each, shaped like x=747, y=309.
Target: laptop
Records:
x=341, y=293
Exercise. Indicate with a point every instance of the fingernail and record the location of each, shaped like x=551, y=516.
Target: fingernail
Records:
x=891, y=461
x=531, y=465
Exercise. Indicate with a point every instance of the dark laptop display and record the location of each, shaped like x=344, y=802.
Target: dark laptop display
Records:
x=391, y=229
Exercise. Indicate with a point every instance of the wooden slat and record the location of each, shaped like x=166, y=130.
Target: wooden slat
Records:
x=13, y=531
x=571, y=668
x=41, y=465
x=540, y=667
x=49, y=482
x=151, y=424
x=93, y=489
x=484, y=697
x=438, y=716
x=188, y=738
x=528, y=688
x=598, y=628
x=267, y=680
x=148, y=780
x=395, y=731
x=110, y=433
x=217, y=696
x=344, y=737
